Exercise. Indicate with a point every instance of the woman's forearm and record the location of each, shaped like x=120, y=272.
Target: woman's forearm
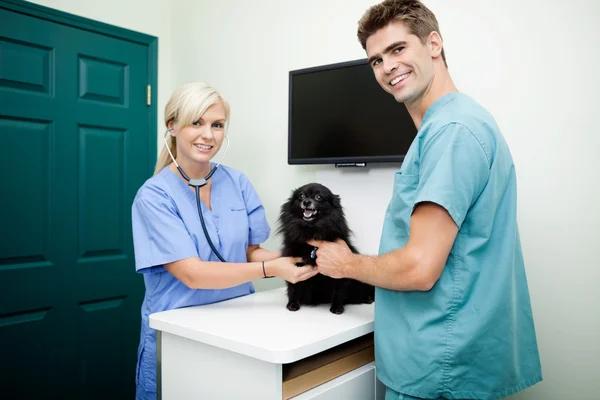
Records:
x=257, y=253
x=197, y=274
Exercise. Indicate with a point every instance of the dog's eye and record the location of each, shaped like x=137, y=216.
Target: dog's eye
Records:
x=301, y=197
x=318, y=197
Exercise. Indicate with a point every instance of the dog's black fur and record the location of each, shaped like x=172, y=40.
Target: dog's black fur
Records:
x=327, y=223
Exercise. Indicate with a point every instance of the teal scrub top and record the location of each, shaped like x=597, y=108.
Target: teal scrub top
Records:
x=472, y=335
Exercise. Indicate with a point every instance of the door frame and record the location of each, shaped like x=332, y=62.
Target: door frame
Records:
x=149, y=41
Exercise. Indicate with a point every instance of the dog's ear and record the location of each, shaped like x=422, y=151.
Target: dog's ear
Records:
x=337, y=202
x=288, y=202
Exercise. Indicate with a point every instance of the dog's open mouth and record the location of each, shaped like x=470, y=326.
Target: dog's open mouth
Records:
x=309, y=214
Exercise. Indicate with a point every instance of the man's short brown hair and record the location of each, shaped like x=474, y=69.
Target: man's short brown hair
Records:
x=419, y=20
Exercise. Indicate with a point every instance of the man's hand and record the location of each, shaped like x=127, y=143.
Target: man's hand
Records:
x=334, y=259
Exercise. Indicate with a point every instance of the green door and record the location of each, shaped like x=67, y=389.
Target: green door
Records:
x=77, y=139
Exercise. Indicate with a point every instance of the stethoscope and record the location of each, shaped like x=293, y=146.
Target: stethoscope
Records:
x=197, y=183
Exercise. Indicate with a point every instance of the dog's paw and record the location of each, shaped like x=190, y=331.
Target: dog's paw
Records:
x=337, y=309
x=293, y=306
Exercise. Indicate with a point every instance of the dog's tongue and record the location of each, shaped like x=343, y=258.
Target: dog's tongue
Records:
x=309, y=213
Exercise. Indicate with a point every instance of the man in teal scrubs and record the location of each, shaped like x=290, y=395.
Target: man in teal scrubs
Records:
x=453, y=317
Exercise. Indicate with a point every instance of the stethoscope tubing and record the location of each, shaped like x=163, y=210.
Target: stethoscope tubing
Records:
x=197, y=183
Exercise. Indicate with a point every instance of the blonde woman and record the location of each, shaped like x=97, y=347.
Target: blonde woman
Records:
x=180, y=266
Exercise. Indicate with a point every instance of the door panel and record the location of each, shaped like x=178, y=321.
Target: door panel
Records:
x=75, y=145
x=29, y=232
x=101, y=194
x=27, y=331
x=26, y=66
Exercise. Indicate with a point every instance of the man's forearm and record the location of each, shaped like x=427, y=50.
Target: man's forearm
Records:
x=399, y=270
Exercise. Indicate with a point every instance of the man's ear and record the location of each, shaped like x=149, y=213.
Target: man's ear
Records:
x=435, y=44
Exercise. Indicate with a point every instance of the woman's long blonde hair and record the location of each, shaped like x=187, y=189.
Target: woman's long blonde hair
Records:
x=187, y=104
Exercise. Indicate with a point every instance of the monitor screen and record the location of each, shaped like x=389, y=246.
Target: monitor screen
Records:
x=338, y=113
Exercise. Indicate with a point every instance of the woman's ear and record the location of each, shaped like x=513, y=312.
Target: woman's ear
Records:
x=171, y=127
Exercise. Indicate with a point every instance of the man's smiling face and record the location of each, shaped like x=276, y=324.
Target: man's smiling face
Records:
x=402, y=65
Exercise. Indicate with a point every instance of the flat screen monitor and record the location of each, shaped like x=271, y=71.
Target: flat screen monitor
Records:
x=338, y=114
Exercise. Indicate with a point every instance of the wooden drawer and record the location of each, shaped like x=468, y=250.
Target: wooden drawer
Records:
x=306, y=374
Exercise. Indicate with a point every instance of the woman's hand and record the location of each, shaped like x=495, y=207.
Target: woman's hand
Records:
x=286, y=269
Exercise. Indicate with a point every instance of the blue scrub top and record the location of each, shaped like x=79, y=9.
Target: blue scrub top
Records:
x=472, y=335
x=166, y=228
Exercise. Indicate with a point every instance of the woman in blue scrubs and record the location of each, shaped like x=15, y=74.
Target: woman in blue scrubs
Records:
x=171, y=250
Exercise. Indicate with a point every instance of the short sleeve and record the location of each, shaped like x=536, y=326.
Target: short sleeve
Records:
x=159, y=234
x=453, y=170
x=259, y=229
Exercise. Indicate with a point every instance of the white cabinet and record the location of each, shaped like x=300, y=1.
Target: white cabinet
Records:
x=252, y=347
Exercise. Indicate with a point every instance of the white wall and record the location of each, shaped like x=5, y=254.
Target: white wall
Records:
x=150, y=17
x=532, y=63
x=246, y=49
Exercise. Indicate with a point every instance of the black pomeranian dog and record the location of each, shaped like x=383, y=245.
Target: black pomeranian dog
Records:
x=314, y=212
